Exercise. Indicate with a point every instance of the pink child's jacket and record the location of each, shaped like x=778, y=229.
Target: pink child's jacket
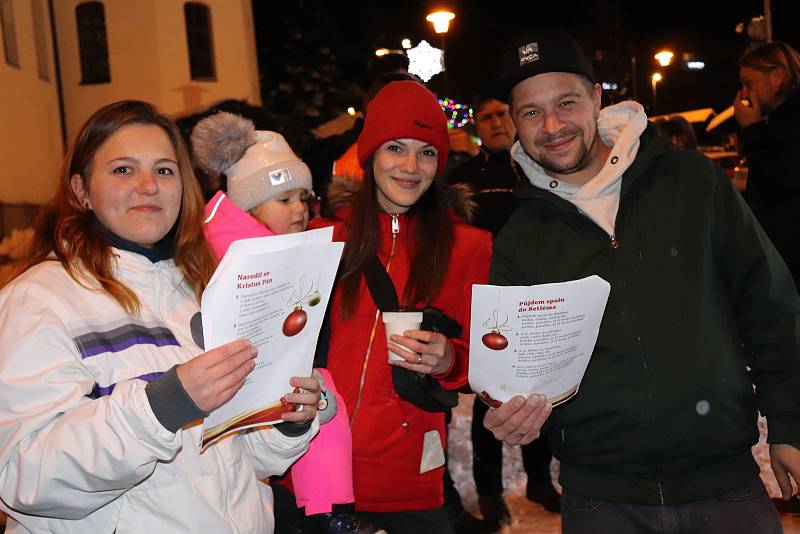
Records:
x=226, y=223
x=323, y=476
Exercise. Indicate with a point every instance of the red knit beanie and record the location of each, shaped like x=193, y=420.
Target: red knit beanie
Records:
x=404, y=110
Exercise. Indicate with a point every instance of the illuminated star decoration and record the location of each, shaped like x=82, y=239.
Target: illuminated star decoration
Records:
x=425, y=61
x=458, y=115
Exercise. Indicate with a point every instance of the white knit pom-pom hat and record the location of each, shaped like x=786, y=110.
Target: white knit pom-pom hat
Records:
x=259, y=164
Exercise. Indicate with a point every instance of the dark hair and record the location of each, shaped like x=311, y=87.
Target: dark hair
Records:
x=679, y=128
x=776, y=54
x=68, y=230
x=429, y=257
x=481, y=100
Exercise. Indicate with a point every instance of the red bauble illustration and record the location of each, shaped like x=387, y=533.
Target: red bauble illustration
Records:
x=496, y=324
x=295, y=322
x=495, y=340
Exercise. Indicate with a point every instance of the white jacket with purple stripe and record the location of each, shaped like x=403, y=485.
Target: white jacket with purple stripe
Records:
x=80, y=448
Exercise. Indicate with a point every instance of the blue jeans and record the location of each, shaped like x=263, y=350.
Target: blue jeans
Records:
x=747, y=510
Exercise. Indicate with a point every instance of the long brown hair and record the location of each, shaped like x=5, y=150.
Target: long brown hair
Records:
x=776, y=54
x=68, y=231
x=431, y=243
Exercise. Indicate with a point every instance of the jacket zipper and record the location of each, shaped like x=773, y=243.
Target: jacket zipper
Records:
x=395, y=231
x=612, y=237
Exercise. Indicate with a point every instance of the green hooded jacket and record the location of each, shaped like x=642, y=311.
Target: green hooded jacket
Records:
x=702, y=309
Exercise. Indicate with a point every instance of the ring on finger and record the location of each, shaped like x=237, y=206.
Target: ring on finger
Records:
x=521, y=434
x=419, y=359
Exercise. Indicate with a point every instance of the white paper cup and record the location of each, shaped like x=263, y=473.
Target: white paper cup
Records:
x=397, y=323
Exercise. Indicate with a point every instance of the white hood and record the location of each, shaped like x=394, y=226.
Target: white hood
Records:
x=619, y=127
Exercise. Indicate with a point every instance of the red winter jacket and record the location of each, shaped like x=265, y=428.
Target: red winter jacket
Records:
x=388, y=431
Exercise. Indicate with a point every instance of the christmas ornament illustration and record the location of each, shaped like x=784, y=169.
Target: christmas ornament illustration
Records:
x=295, y=322
x=497, y=323
x=306, y=293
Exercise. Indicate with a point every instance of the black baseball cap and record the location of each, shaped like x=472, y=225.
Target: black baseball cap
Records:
x=538, y=52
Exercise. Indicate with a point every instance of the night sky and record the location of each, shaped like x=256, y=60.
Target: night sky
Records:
x=482, y=30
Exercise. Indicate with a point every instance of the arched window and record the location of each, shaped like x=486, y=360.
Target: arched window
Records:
x=92, y=42
x=9, y=32
x=199, y=38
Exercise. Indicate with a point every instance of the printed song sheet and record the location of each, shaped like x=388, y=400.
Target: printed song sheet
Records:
x=274, y=292
x=535, y=339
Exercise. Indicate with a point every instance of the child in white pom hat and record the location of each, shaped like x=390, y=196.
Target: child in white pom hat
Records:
x=268, y=188
x=268, y=185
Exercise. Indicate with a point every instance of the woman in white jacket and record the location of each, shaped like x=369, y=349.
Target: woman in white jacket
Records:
x=103, y=378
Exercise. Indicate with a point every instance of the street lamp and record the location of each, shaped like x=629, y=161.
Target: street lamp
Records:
x=441, y=20
x=441, y=23
x=664, y=58
x=654, y=79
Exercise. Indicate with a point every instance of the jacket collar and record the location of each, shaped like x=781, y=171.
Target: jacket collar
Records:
x=163, y=250
x=651, y=147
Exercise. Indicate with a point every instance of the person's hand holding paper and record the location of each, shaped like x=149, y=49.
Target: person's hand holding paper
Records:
x=529, y=349
x=212, y=378
x=307, y=398
x=518, y=421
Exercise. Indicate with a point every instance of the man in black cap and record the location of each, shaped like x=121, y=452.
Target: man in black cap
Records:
x=702, y=309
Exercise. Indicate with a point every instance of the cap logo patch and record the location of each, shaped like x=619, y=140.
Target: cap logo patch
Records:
x=420, y=124
x=528, y=53
x=279, y=176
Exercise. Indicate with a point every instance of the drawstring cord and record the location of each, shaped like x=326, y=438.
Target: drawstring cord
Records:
x=395, y=231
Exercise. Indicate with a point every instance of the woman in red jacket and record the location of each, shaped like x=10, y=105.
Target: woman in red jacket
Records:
x=402, y=214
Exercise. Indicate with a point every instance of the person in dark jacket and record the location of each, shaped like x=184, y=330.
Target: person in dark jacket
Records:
x=701, y=330
x=678, y=132
x=767, y=109
x=492, y=175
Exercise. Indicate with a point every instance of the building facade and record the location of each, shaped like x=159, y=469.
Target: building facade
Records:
x=63, y=59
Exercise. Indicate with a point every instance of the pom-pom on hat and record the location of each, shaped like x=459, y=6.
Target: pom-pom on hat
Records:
x=404, y=110
x=259, y=164
x=538, y=52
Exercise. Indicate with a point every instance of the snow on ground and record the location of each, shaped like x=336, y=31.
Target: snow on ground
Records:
x=531, y=518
